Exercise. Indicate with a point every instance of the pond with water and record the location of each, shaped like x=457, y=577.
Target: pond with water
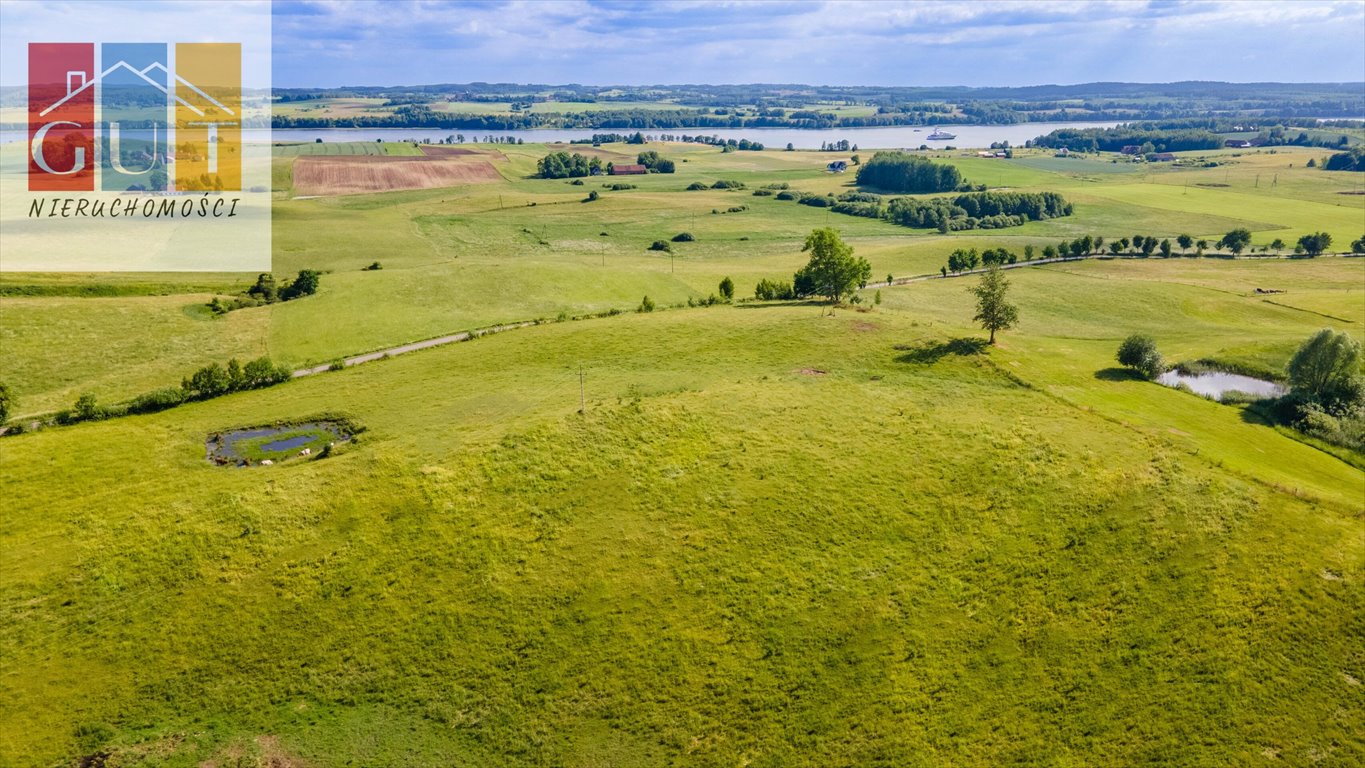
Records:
x=1215, y=384
x=250, y=445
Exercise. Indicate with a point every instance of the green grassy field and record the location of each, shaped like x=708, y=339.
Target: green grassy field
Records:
x=474, y=256
x=774, y=537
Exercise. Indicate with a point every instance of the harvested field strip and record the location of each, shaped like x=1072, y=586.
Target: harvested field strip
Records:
x=363, y=174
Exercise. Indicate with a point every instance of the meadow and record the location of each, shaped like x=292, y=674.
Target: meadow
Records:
x=775, y=535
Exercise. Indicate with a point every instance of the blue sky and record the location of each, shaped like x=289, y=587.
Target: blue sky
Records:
x=844, y=42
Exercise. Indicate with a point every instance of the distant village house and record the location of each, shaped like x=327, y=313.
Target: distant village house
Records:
x=628, y=170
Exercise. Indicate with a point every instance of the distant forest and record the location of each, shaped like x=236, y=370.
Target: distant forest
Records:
x=822, y=107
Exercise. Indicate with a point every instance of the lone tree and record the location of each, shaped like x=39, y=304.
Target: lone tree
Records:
x=1324, y=365
x=1185, y=242
x=833, y=271
x=1139, y=353
x=993, y=311
x=727, y=289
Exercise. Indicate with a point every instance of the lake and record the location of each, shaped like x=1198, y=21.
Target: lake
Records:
x=968, y=136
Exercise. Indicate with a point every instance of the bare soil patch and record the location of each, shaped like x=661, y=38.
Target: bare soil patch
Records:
x=363, y=174
x=813, y=372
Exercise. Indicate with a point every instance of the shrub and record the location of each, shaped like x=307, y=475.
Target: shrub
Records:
x=591, y=196
x=646, y=305
x=788, y=195
x=577, y=182
x=773, y=290
x=763, y=193
x=683, y=237
x=157, y=400
x=306, y=284
x=1139, y=352
x=374, y=267
x=87, y=409
x=696, y=185
x=728, y=184
x=660, y=245
x=727, y=289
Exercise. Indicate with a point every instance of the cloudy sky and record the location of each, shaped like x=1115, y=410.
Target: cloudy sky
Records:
x=835, y=42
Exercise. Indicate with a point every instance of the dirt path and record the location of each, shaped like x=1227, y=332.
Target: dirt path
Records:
x=412, y=347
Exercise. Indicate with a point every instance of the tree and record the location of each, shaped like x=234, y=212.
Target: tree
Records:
x=1138, y=352
x=1166, y=248
x=1358, y=246
x=1185, y=242
x=7, y=403
x=1201, y=246
x=1049, y=252
x=1324, y=365
x=1236, y=240
x=1316, y=243
x=1148, y=245
x=1116, y=247
x=1028, y=252
x=727, y=289
x=993, y=311
x=832, y=271
x=646, y=305
x=1277, y=245
x=790, y=147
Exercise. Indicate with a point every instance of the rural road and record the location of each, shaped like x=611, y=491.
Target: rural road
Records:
x=412, y=347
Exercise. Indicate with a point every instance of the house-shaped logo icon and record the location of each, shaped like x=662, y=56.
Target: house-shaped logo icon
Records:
x=132, y=121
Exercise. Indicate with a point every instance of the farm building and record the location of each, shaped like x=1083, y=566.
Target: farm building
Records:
x=1163, y=157
x=1131, y=149
x=838, y=166
x=1237, y=143
x=628, y=170
x=1063, y=152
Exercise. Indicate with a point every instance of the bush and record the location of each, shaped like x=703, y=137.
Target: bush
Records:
x=306, y=284
x=695, y=186
x=157, y=400
x=660, y=245
x=683, y=237
x=728, y=184
x=1139, y=352
x=773, y=290
x=591, y=196
x=788, y=195
x=763, y=193
x=577, y=182
x=374, y=267
x=646, y=305
x=727, y=289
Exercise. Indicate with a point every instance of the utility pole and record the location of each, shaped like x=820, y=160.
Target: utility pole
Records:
x=582, y=402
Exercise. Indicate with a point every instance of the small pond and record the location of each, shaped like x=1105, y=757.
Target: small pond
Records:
x=1216, y=383
x=252, y=445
